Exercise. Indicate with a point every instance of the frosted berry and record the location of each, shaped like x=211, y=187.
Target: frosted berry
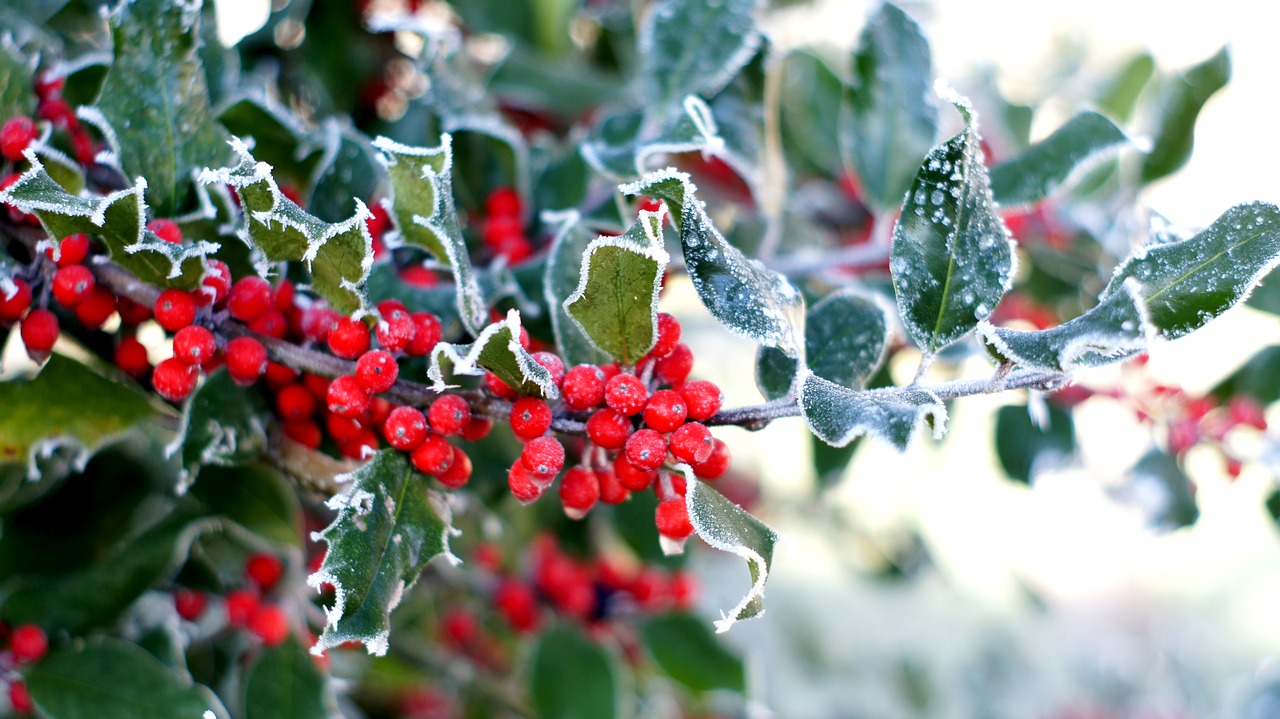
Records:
x=702, y=399
x=522, y=485
x=131, y=358
x=348, y=338
x=15, y=136
x=631, y=476
x=675, y=367
x=317, y=321
x=427, y=332
x=606, y=428
x=377, y=371
x=271, y=323
x=646, y=449
x=194, y=345
x=28, y=643
x=166, y=230
x=665, y=410
x=395, y=331
x=270, y=624
x=553, y=364
x=583, y=387
x=543, y=457
x=39, y=332
x=71, y=285
x=20, y=698
x=625, y=394
x=264, y=570
x=246, y=360
x=530, y=417
x=434, y=455
x=14, y=306
x=668, y=336
x=305, y=432
x=715, y=465
x=459, y=470
x=174, y=379
x=249, y=298
x=346, y=398
x=499, y=387
x=672, y=519
x=611, y=490
x=692, y=442
x=405, y=428
x=295, y=403
x=175, y=309
x=189, y=603
x=579, y=490
x=94, y=310
x=72, y=250
x=448, y=415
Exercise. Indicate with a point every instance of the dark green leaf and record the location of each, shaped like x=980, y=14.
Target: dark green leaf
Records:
x=280, y=138
x=497, y=350
x=809, y=110
x=1273, y=506
x=105, y=678
x=386, y=532
x=17, y=96
x=256, y=498
x=837, y=415
x=562, y=86
x=1045, y=166
x=285, y=684
x=1160, y=487
x=1183, y=101
x=1259, y=378
x=572, y=677
x=1023, y=446
x=347, y=170
x=729, y=528
x=846, y=335
x=690, y=47
x=689, y=653
x=626, y=146
x=564, y=266
x=221, y=425
x=1266, y=296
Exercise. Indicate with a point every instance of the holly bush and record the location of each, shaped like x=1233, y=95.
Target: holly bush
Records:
x=301, y=331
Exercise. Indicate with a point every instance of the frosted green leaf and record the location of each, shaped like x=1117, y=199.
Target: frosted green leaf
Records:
x=616, y=303
x=496, y=350
x=423, y=212
x=627, y=145
x=1183, y=99
x=17, y=94
x=838, y=415
x=388, y=528
x=279, y=138
x=348, y=168
x=564, y=266
x=691, y=47
x=221, y=425
x=1036, y=173
x=952, y=258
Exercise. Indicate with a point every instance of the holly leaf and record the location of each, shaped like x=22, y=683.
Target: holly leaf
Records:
x=338, y=256
x=1187, y=283
x=745, y=296
x=16, y=94
x=423, y=212
x=279, y=137
x=673, y=66
x=110, y=678
x=1183, y=100
x=729, y=528
x=952, y=258
x=1025, y=446
x=681, y=644
x=118, y=219
x=627, y=145
x=496, y=350
x=156, y=98
x=560, y=280
x=846, y=336
x=347, y=169
x=562, y=652
x=838, y=415
x=1166, y=494
x=891, y=120
x=221, y=425
x=1085, y=140
x=616, y=303
x=284, y=683
x=810, y=107
x=255, y=497
x=388, y=528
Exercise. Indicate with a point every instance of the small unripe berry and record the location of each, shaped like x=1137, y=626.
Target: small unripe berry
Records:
x=543, y=457
x=434, y=455
x=692, y=442
x=606, y=428
x=672, y=519
x=264, y=570
x=246, y=360
x=702, y=399
x=249, y=298
x=459, y=470
x=583, y=387
x=72, y=250
x=646, y=449
x=174, y=379
x=14, y=306
x=625, y=394
x=349, y=338
x=71, y=285
x=405, y=428
x=579, y=491
x=131, y=358
x=347, y=398
x=166, y=230
x=522, y=485
x=94, y=310
x=194, y=345
x=28, y=643
x=715, y=465
x=448, y=414
x=189, y=603
x=530, y=417
x=294, y=403
x=675, y=367
x=377, y=371
x=665, y=410
x=175, y=309
x=270, y=624
x=18, y=133
x=39, y=332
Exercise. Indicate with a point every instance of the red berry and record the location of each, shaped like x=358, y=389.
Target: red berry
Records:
x=15, y=136
x=478, y=428
x=294, y=403
x=498, y=387
x=405, y=428
x=646, y=449
x=249, y=298
x=625, y=394
x=131, y=358
x=395, y=331
x=460, y=627
x=522, y=485
x=648, y=204
x=553, y=364
x=132, y=314
x=348, y=338
x=279, y=376
x=377, y=371
x=543, y=457
x=579, y=491
x=271, y=323
x=692, y=443
x=1246, y=410
x=39, y=332
x=166, y=230
x=216, y=283
x=317, y=322
x=715, y=465
x=283, y=295
x=194, y=345
x=304, y=432
x=240, y=605
x=246, y=360
x=684, y=589
x=71, y=251
x=503, y=201
x=190, y=603
x=427, y=332
x=342, y=430
x=20, y=698
x=611, y=490
x=346, y=398
x=497, y=228
x=606, y=428
x=630, y=476
x=72, y=284
x=672, y=519
x=95, y=309
x=459, y=470
x=434, y=455
x=264, y=570
x=530, y=417
x=702, y=399
x=174, y=379
x=448, y=415
x=270, y=624
x=15, y=303
x=583, y=387
x=28, y=643
x=668, y=336
x=175, y=309
x=665, y=410
x=675, y=367
x=516, y=603
x=363, y=446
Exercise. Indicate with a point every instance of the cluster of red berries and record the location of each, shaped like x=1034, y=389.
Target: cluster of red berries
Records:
x=244, y=608
x=27, y=644
x=18, y=133
x=502, y=229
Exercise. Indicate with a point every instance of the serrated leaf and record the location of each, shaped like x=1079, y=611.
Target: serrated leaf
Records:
x=1041, y=169
x=626, y=146
x=572, y=677
x=423, y=212
x=952, y=258
x=256, y=498
x=673, y=65
x=388, y=528
x=1183, y=101
x=690, y=654
x=563, y=269
x=846, y=335
x=616, y=303
x=107, y=678
x=347, y=169
x=1185, y=284
x=284, y=683
x=66, y=405
x=892, y=121
x=744, y=295
x=729, y=528
x=809, y=110
x=338, y=255
x=156, y=99
x=1159, y=486
x=220, y=426
x=1024, y=447
x=118, y=219
x=17, y=94
x=496, y=350
x=838, y=415
x=279, y=137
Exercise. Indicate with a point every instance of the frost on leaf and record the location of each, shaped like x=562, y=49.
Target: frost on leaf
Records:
x=727, y=527
x=338, y=255
x=221, y=425
x=119, y=219
x=691, y=47
x=952, y=258
x=423, y=211
x=1085, y=140
x=627, y=145
x=838, y=415
x=1113, y=330
x=744, y=295
x=496, y=350
x=388, y=528
x=616, y=303
x=1187, y=283
x=564, y=264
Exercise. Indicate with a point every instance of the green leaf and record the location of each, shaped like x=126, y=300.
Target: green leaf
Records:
x=106, y=678
x=257, y=498
x=1122, y=93
x=423, y=212
x=626, y=146
x=1185, y=284
x=156, y=99
x=221, y=425
x=572, y=677
x=285, y=684
x=690, y=654
x=564, y=265
x=118, y=219
x=689, y=47
x=1183, y=101
x=1037, y=172
x=952, y=258
x=809, y=105
x=1273, y=506
x=279, y=137
x=1266, y=296
x=17, y=96
x=67, y=405
x=496, y=350
x=1023, y=446
x=348, y=169
x=1259, y=378
x=846, y=336
x=616, y=303
x=388, y=528
x=837, y=415
x=892, y=120
x=338, y=256
x=744, y=295
x=1160, y=486
x=729, y=528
